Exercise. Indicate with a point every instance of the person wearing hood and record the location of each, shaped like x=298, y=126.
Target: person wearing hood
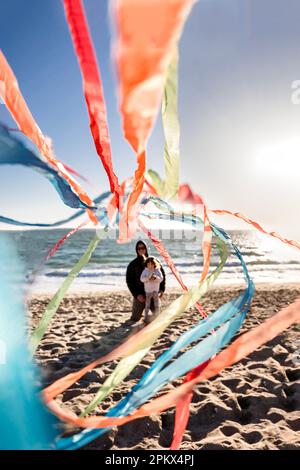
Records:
x=133, y=280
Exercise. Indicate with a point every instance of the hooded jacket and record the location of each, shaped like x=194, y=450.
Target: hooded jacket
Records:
x=134, y=271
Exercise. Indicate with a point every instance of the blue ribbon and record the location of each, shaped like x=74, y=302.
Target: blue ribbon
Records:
x=26, y=423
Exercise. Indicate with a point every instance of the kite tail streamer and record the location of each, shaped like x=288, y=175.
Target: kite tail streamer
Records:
x=75, y=173
x=189, y=217
x=67, y=167
x=14, y=152
x=63, y=239
x=25, y=421
x=58, y=223
x=182, y=412
x=206, y=244
x=149, y=188
x=171, y=131
x=164, y=253
x=183, y=406
x=155, y=182
x=257, y=226
x=128, y=222
x=12, y=97
x=53, y=250
x=170, y=188
x=92, y=85
x=141, y=72
x=185, y=194
x=55, y=302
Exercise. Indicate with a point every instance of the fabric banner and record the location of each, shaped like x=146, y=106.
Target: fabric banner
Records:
x=92, y=86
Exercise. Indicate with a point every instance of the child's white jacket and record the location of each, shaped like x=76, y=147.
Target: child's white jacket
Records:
x=153, y=284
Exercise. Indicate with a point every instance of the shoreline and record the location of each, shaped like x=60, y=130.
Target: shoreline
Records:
x=115, y=289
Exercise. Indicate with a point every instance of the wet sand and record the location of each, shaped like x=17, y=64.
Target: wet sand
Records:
x=252, y=405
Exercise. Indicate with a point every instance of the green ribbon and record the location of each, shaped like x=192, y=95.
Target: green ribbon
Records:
x=168, y=188
x=171, y=131
x=53, y=305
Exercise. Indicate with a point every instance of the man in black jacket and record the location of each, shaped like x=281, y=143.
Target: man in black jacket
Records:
x=136, y=287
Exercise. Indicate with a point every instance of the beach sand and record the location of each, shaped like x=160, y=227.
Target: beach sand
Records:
x=253, y=405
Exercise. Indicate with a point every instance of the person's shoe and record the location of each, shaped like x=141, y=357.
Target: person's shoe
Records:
x=132, y=320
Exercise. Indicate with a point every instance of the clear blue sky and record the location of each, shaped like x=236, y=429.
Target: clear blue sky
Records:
x=240, y=132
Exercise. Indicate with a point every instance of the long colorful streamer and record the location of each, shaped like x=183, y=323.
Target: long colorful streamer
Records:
x=14, y=152
x=257, y=226
x=183, y=408
x=12, y=97
x=92, y=86
x=55, y=302
x=168, y=260
x=182, y=412
x=58, y=223
x=142, y=70
x=172, y=132
x=25, y=423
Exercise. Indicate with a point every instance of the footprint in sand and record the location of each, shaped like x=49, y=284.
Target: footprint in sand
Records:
x=294, y=424
x=290, y=390
x=51, y=346
x=252, y=437
x=293, y=374
x=69, y=394
x=244, y=402
x=291, y=404
x=231, y=383
x=229, y=430
x=275, y=415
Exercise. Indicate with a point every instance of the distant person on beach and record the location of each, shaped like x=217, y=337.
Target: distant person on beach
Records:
x=152, y=277
x=136, y=286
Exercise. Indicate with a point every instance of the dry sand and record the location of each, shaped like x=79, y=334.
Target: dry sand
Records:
x=253, y=405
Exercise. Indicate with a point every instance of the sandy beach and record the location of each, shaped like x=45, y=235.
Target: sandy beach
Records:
x=253, y=405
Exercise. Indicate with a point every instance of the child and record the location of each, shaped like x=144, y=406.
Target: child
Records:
x=151, y=277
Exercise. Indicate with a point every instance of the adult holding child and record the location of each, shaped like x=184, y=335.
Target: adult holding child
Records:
x=136, y=286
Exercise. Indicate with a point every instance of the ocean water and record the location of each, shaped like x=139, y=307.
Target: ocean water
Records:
x=268, y=260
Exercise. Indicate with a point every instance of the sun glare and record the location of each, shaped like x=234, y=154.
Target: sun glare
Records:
x=280, y=160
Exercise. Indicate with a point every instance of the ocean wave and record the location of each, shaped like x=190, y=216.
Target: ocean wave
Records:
x=95, y=273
